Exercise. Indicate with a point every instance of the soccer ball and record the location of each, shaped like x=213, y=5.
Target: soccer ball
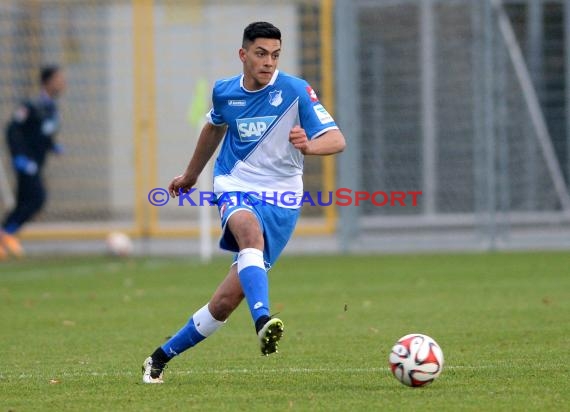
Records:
x=416, y=360
x=119, y=244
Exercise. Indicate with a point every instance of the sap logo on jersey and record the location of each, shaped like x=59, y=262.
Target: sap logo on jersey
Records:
x=251, y=130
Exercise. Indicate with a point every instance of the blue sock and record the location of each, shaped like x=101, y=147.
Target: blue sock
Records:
x=253, y=279
x=201, y=325
x=184, y=339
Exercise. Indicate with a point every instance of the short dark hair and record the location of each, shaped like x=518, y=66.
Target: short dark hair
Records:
x=260, y=29
x=47, y=72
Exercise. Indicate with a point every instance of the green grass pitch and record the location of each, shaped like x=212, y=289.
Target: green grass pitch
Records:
x=75, y=332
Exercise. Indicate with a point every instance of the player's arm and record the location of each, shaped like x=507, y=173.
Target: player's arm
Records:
x=15, y=130
x=17, y=142
x=330, y=142
x=15, y=138
x=209, y=140
x=317, y=133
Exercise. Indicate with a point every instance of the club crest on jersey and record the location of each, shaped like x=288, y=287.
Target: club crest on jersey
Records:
x=275, y=98
x=252, y=129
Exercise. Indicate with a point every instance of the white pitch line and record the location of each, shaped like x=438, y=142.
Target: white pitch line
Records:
x=231, y=372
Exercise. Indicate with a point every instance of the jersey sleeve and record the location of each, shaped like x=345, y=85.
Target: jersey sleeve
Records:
x=314, y=117
x=215, y=116
x=14, y=129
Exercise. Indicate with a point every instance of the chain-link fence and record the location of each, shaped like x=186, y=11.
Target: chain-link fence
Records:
x=135, y=70
x=447, y=103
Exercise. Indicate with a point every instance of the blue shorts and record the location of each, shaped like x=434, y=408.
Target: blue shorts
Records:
x=277, y=223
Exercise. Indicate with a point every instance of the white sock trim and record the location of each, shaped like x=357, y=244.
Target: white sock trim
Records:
x=205, y=322
x=250, y=257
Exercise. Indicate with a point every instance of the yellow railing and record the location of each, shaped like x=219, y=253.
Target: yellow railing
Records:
x=144, y=116
x=327, y=79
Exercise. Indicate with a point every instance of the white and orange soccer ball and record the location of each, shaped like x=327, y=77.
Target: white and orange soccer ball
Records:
x=416, y=360
x=119, y=244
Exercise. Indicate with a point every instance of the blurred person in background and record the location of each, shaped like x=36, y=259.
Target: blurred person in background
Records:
x=30, y=135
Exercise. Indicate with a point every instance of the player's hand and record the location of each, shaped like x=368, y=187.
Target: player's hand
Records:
x=184, y=182
x=25, y=165
x=299, y=139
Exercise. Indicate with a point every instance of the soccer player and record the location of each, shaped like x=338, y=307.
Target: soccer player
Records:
x=31, y=135
x=268, y=121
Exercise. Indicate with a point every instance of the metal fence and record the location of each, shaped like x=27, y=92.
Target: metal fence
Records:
x=463, y=100
x=135, y=71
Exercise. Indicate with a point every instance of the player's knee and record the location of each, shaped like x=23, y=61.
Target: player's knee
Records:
x=37, y=204
x=250, y=239
x=245, y=228
x=29, y=209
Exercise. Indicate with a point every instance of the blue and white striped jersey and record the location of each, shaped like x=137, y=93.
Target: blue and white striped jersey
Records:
x=256, y=155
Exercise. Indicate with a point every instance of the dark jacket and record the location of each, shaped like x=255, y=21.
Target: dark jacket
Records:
x=32, y=129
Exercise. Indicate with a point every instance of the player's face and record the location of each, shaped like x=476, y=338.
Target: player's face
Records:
x=56, y=84
x=259, y=60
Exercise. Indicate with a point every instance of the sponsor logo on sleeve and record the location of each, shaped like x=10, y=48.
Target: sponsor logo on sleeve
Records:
x=49, y=127
x=322, y=114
